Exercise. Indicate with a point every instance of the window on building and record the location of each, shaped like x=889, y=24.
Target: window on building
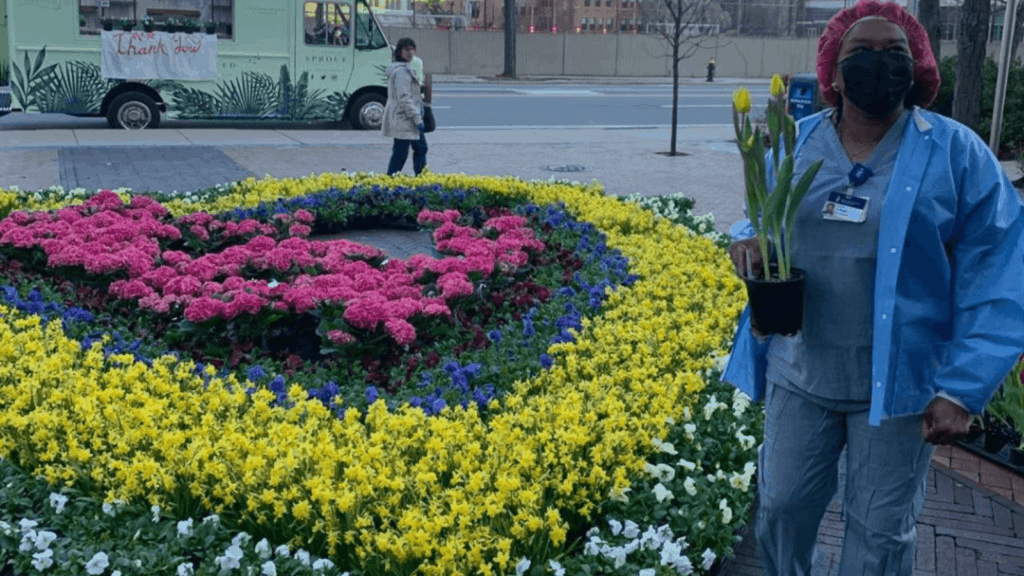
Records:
x=327, y=24
x=218, y=12
x=608, y=3
x=587, y=2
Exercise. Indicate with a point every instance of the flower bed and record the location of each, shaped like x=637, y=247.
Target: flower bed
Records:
x=432, y=426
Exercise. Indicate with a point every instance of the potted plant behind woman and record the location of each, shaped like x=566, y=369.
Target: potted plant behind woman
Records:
x=148, y=25
x=126, y=24
x=108, y=24
x=211, y=27
x=171, y=25
x=777, y=299
x=189, y=26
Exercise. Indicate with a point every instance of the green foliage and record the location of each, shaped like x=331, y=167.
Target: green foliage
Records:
x=77, y=88
x=1012, y=136
x=5, y=72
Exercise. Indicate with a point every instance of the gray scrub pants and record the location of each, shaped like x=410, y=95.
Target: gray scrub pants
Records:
x=887, y=471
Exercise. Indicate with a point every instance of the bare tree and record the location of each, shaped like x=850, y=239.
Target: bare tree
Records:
x=972, y=37
x=929, y=15
x=511, y=30
x=690, y=25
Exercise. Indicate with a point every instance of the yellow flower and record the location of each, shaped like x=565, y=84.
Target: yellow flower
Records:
x=777, y=86
x=741, y=100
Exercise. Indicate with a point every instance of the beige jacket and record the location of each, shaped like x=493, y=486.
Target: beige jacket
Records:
x=404, y=109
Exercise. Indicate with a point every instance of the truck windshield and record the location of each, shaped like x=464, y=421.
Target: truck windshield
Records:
x=368, y=35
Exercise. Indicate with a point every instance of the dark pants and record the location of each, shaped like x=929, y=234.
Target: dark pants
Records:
x=400, y=152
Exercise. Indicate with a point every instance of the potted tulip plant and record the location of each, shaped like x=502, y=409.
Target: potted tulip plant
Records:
x=211, y=27
x=126, y=24
x=148, y=25
x=1007, y=407
x=776, y=299
x=108, y=24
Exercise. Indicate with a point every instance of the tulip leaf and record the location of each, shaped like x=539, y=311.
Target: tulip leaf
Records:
x=800, y=191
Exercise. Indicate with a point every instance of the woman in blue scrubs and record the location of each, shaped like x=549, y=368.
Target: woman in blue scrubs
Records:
x=914, y=305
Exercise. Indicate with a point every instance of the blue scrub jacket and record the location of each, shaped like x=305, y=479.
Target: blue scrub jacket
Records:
x=949, y=277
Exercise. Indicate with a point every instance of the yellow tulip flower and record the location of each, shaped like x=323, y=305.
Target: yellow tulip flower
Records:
x=777, y=86
x=741, y=100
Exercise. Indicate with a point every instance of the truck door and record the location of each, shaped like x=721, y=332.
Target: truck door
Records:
x=323, y=56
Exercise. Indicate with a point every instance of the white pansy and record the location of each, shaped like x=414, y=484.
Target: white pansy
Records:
x=282, y=550
x=241, y=539
x=690, y=466
x=619, y=494
x=664, y=447
x=44, y=538
x=662, y=493
x=687, y=416
x=42, y=560
x=664, y=472
x=302, y=556
x=156, y=512
x=702, y=524
x=186, y=569
x=97, y=564
x=647, y=572
x=739, y=481
x=593, y=547
x=109, y=509
x=269, y=568
x=28, y=541
x=230, y=559
x=690, y=430
x=185, y=528
x=323, y=564
x=683, y=566
x=615, y=526
x=593, y=532
x=115, y=573
x=690, y=486
x=212, y=519
x=710, y=477
x=263, y=548
x=707, y=559
x=670, y=553
x=726, y=515
x=631, y=529
x=6, y=528
x=616, y=553
x=58, y=501
x=522, y=566
x=556, y=568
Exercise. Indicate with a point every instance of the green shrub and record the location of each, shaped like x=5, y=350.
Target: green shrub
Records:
x=1012, y=136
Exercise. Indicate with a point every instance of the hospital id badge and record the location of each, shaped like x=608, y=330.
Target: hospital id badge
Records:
x=845, y=208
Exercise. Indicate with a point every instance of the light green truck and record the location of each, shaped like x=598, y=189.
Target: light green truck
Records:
x=296, y=60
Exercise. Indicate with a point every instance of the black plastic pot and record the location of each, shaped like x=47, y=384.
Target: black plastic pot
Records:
x=974, y=433
x=148, y=28
x=127, y=28
x=776, y=306
x=171, y=28
x=211, y=29
x=108, y=26
x=1017, y=457
x=996, y=436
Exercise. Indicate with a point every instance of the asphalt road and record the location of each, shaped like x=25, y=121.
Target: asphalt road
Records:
x=496, y=106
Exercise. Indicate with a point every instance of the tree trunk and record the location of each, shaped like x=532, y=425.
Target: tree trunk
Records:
x=1018, y=32
x=675, y=76
x=930, y=17
x=972, y=37
x=511, y=29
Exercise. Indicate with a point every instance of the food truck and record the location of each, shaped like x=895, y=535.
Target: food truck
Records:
x=137, y=61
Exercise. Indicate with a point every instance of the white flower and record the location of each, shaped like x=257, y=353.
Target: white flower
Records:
x=593, y=547
x=6, y=528
x=683, y=566
x=28, y=541
x=726, y=515
x=97, y=564
x=701, y=524
x=58, y=501
x=664, y=472
x=109, y=509
x=615, y=526
x=686, y=414
x=522, y=567
x=282, y=550
x=647, y=572
x=619, y=494
x=44, y=538
x=665, y=447
x=186, y=569
x=269, y=569
x=263, y=548
x=690, y=429
x=740, y=482
x=707, y=559
x=230, y=559
x=302, y=556
x=556, y=568
x=618, y=554
x=670, y=552
x=42, y=560
x=690, y=486
x=632, y=530
x=27, y=524
x=115, y=573
x=690, y=466
x=662, y=493
x=323, y=564
x=185, y=528
x=212, y=519
x=241, y=539
x=156, y=512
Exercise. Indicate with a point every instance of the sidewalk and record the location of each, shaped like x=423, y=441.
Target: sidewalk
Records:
x=615, y=80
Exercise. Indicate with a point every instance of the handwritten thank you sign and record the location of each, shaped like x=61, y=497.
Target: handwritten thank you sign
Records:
x=158, y=56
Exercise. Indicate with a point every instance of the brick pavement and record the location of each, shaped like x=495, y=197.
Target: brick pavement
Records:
x=150, y=168
x=965, y=529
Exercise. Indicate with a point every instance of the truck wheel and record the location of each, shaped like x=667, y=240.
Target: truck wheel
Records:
x=368, y=112
x=133, y=111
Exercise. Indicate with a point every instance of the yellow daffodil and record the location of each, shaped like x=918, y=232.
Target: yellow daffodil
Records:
x=741, y=100
x=777, y=86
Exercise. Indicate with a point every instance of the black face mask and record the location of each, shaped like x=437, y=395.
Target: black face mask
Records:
x=877, y=81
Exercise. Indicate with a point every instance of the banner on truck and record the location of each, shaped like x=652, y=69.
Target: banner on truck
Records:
x=158, y=56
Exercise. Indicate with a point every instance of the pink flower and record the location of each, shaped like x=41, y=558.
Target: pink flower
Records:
x=436, y=307
x=155, y=303
x=130, y=289
x=202, y=269
x=212, y=288
x=304, y=216
x=454, y=284
x=184, y=286
x=368, y=281
x=105, y=200
x=160, y=277
x=243, y=303
x=296, y=244
x=200, y=232
x=299, y=230
x=505, y=223
x=204, y=308
x=234, y=283
x=301, y=300
x=283, y=218
x=340, y=337
x=400, y=330
x=365, y=313
x=260, y=244
x=174, y=257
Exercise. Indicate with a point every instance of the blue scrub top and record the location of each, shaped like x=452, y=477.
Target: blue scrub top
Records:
x=830, y=359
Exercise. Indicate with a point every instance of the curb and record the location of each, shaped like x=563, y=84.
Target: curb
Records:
x=616, y=80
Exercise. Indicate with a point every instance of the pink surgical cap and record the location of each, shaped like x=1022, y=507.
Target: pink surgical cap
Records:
x=926, y=71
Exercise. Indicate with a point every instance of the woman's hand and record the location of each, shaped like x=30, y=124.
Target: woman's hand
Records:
x=421, y=127
x=738, y=251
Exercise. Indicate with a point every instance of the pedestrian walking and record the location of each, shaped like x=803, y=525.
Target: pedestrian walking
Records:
x=403, y=113
x=711, y=70
x=913, y=315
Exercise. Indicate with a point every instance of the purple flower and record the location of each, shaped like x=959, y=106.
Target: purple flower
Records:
x=255, y=373
x=546, y=361
x=494, y=336
x=371, y=394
